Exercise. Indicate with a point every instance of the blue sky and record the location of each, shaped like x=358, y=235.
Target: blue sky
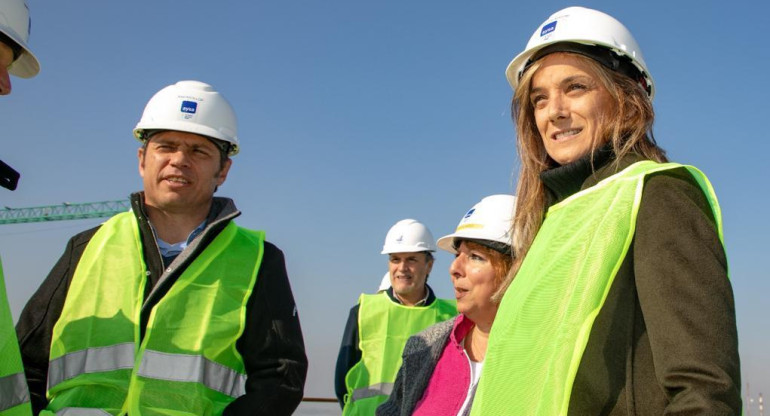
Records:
x=356, y=114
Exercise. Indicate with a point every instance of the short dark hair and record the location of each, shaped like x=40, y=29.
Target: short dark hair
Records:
x=223, y=146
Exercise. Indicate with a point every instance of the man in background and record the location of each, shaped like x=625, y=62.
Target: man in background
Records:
x=379, y=325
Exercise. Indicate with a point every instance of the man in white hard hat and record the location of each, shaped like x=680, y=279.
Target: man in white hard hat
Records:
x=16, y=59
x=15, y=56
x=170, y=308
x=379, y=325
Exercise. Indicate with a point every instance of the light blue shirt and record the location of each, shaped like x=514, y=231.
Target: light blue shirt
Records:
x=172, y=250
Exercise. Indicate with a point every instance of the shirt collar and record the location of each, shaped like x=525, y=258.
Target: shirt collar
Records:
x=167, y=249
x=427, y=300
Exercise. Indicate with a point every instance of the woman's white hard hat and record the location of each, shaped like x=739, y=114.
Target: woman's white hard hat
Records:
x=489, y=220
x=15, y=23
x=192, y=107
x=408, y=236
x=582, y=26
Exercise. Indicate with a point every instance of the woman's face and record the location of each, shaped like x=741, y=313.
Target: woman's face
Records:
x=569, y=105
x=473, y=278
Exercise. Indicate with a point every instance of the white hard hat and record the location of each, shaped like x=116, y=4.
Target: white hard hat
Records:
x=582, y=26
x=489, y=220
x=15, y=23
x=408, y=236
x=192, y=107
x=384, y=283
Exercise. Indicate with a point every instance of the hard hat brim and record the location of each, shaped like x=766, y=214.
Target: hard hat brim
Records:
x=187, y=128
x=447, y=243
x=402, y=249
x=26, y=65
x=512, y=72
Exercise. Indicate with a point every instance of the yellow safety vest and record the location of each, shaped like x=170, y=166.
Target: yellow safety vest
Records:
x=14, y=396
x=187, y=363
x=383, y=329
x=545, y=317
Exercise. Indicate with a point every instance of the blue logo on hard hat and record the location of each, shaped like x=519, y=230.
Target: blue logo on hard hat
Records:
x=550, y=27
x=189, y=107
x=469, y=213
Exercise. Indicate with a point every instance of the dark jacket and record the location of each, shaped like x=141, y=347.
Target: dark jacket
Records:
x=271, y=345
x=350, y=353
x=665, y=340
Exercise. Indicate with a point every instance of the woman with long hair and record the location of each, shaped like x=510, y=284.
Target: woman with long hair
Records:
x=618, y=301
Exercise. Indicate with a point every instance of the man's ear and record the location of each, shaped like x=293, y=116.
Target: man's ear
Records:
x=222, y=175
x=140, y=156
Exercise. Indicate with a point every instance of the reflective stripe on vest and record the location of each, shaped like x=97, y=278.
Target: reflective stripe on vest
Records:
x=546, y=315
x=187, y=362
x=14, y=396
x=90, y=360
x=383, y=328
x=371, y=391
x=13, y=391
x=157, y=365
x=192, y=368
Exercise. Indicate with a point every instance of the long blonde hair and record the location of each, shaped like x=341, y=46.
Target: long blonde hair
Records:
x=628, y=129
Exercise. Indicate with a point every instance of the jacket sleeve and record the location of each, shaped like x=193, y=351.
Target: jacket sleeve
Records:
x=271, y=346
x=686, y=299
x=35, y=326
x=348, y=356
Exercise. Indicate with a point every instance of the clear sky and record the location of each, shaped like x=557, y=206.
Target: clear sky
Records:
x=356, y=114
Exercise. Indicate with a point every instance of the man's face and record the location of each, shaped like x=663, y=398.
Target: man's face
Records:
x=180, y=172
x=6, y=59
x=408, y=272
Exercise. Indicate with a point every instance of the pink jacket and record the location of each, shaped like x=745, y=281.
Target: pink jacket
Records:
x=450, y=383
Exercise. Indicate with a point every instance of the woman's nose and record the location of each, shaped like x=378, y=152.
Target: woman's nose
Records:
x=557, y=108
x=455, y=269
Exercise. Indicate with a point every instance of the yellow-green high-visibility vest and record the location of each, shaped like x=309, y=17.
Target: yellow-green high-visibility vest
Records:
x=14, y=396
x=545, y=318
x=383, y=328
x=186, y=363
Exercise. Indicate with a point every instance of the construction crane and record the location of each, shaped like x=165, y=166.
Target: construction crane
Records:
x=65, y=211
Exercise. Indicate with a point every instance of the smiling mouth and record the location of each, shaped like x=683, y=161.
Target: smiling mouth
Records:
x=565, y=134
x=177, y=179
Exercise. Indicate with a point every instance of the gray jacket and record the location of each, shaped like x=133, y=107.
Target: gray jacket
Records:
x=421, y=353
